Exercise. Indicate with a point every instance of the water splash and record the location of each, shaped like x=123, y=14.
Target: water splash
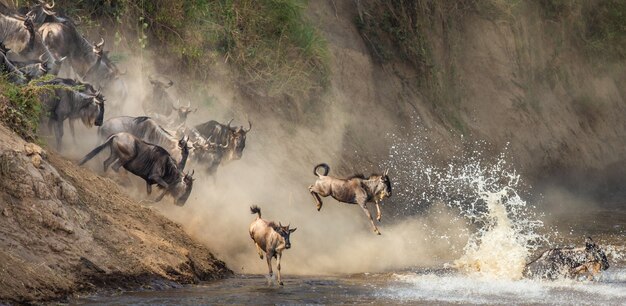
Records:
x=502, y=228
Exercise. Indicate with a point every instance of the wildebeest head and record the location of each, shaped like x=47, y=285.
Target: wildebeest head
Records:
x=237, y=140
x=184, y=111
x=93, y=111
x=595, y=254
x=158, y=84
x=284, y=232
x=102, y=68
x=41, y=12
x=181, y=191
x=383, y=185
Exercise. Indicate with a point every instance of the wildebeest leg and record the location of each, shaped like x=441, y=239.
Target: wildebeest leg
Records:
x=278, y=255
x=58, y=133
x=118, y=164
x=317, y=198
x=157, y=178
x=258, y=249
x=379, y=215
x=71, y=123
x=367, y=213
x=268, y=257
x=160, y=197
x=148, y=188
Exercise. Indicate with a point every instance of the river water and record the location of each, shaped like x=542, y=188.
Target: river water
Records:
x=407, y=287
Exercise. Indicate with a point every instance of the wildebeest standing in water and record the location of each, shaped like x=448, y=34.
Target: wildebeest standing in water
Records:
x=353, y=190
x=65, y=102
x=270, y=238
x=569, y=262
x=150, y=162
x=231, y=139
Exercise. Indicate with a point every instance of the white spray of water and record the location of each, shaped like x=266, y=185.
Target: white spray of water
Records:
x=502, y=229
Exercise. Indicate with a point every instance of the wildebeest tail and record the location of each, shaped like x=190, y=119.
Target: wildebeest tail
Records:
x=322, y=165
x=255, y=210
x=95, y=151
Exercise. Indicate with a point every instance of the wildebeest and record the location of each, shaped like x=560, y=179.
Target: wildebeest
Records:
x=150, y=162
x=206, y=152
x=87, y=60
x=159, y=102
x=353, y=190
x=18, y=34
x=67, y=101
x=40, y=67
x=270, y=238
x=233, y=137
x=569, y=262
x=144, y=128
x=183, y=112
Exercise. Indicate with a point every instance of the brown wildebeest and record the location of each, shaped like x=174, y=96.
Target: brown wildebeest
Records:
x=355, y=189
x=270, y=238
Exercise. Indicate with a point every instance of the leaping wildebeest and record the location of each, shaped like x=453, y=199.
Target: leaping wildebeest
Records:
x=569, y=262
x=150, y=162
x=353, y=190
x=270, y=238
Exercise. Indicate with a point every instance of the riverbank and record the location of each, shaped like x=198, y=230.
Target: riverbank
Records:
x=65, y=230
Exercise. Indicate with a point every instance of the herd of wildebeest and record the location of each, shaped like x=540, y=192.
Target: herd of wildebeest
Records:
x=36, y=41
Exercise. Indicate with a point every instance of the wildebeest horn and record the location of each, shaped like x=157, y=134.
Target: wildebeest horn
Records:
x=41, y=58
x=99, y=45
x=228, y=124
x=248, y=130
x=386, y=171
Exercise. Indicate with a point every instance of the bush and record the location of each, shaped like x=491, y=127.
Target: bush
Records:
x=20, y=108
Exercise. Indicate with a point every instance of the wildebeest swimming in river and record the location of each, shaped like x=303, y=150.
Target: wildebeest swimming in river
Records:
x=569, y=262
x=353, y=190
x=150, y=162
x=270, y=238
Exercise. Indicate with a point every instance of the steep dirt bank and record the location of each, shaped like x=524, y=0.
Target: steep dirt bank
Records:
x=65, y=230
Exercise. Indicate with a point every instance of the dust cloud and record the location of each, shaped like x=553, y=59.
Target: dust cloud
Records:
x=274, y=173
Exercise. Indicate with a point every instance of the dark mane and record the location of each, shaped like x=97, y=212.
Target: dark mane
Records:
x=358, y=175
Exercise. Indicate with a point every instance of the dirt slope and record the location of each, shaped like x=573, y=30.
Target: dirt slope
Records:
x=65, y=230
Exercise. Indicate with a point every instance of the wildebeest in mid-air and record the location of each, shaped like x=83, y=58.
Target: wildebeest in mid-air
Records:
x=587, y=261
x=270, y=239
x=150, y=162
x=355, y=189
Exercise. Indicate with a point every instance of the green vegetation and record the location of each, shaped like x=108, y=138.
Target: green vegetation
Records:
x=20, y=108
x=276, y=50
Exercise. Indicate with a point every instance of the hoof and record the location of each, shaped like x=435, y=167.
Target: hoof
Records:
x=280, y=283
x=261, y=256
x=378, y=219
x=319, y=207
x=377, y=232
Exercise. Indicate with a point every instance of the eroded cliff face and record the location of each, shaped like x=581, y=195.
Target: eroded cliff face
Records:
x=64, y=230
x=515, y=84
